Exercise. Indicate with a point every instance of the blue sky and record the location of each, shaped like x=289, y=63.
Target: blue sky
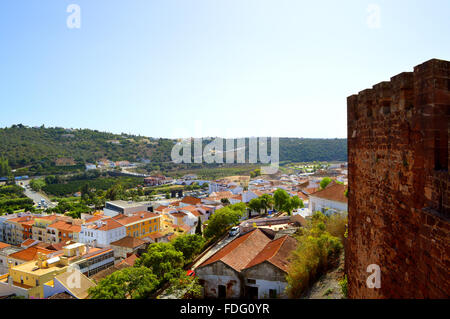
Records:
x=231, y=68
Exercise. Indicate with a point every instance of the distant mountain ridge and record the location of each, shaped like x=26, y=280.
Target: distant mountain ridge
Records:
x=23, y=145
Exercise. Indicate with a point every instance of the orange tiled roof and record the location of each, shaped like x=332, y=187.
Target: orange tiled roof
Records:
x=28, y=242
x=126, y=220
x=65, y=226
x=109, y=224
x=191, y=200
x=4, y=245
x=241, y=251
x=223, y=194
x=193, y=210
x=20, y=219
x=237, y=197
x=30, y=253
x=178, y=214
x=130, y=260
x=276, y=252
x=48, y=217
x=129, y=242
x=95, y=218
x=156, y=235
x=161, y=208
x=311, y=190
x=335, y=192
x=184, y=227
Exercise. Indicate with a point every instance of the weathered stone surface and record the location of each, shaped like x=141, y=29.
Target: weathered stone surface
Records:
x=399, y=185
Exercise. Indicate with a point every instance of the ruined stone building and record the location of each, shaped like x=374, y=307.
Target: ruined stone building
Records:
x=253, y=265
x=399, y=189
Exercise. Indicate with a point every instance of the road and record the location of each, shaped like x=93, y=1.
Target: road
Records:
x=36, y=196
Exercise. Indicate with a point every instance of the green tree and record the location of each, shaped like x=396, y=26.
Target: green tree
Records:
x=198, y=228
x=189, y=245
x=255, y=205
x=5, y=169
x=266, y=201
x=133, y=282
x=281, y=198
x=163, y=259
x=114, y=192
x=221, y=220
x=324, y=182
x=185, y=287
x=37, y=184
x=286, y=203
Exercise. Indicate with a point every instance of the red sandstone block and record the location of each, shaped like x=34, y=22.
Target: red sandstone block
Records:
x=404, y=80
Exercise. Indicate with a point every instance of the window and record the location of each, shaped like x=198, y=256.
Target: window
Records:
x=222, y=291
x=272, y=293
x=441, y=150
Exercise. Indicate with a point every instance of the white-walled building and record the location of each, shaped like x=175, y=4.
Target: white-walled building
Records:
x=329, y=200
x=102, y=233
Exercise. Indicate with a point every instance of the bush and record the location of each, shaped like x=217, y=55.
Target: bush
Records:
x=314, y=255
x=337, y=225
x=344, y=286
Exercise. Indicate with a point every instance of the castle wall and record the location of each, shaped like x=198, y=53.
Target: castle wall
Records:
x=399, y=189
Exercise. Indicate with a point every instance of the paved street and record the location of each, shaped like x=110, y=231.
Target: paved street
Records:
x=36, y=196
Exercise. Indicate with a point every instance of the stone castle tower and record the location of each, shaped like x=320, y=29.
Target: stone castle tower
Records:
x=399, y=185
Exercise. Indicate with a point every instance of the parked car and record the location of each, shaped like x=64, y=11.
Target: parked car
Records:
x=234, y=231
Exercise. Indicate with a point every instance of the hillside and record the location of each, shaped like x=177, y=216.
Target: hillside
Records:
x=39, y=146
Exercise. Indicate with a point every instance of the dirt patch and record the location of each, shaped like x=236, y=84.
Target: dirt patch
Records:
x=327, y=286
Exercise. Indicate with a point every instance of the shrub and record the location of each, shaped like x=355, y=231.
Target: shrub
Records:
x=316, y=250
x=336, y=225
x=344, y=286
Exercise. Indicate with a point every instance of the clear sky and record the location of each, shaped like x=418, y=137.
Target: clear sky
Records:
x=231, y=68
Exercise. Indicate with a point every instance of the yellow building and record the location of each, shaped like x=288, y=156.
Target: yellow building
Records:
x=140, y=224
x=28, y=279
x=40, y=231
x=32, y=275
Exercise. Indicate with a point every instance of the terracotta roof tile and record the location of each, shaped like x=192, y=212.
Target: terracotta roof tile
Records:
x=191, y=200
x=241, y=251
x=335, y=192
x=135, y=217
x=276, y=252
x=65, y=226
x=129, y=242
x=30, y=253
x=129, y=260
x=4, y=245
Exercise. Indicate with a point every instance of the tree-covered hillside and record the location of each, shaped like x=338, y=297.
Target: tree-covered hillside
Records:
x=40, y=147
x=24, y=146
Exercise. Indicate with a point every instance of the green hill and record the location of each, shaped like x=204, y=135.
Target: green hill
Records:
x=36, y=149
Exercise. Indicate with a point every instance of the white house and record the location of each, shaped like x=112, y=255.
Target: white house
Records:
x=329, y=200
x=102, y=233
